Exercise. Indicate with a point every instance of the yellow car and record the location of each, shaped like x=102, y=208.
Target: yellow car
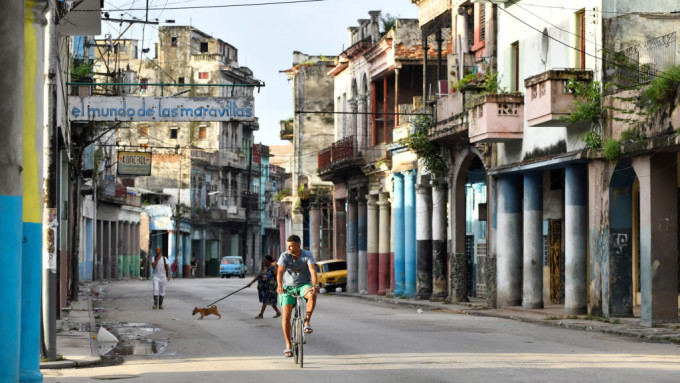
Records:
x=332, y=274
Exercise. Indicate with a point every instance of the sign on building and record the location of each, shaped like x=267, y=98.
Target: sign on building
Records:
x=162, y=109
x=134, y=164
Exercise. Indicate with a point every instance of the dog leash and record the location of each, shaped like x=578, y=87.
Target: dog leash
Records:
x=228, y=295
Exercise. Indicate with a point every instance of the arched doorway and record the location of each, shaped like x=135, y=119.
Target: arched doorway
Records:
x=470, y=220
x=624, y=261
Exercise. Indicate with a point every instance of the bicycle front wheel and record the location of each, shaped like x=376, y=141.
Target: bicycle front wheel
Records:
x=294, y=335
x=301, y=340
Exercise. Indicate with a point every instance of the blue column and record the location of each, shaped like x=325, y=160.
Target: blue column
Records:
x=509, y=262
x=398, y=235
x=362, y=243
x=532, y=297
x=410, y=233
x=352, y=246
x=11, y=201
x=575, y=240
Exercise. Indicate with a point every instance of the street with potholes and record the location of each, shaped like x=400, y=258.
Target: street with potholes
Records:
x=355, y=339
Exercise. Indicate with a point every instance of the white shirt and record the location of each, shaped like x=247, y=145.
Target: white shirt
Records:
x=159, y=271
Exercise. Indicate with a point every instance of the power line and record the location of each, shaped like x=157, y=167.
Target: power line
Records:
x=207, y=6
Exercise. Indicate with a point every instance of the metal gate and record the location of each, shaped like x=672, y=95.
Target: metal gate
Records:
x=555, y=261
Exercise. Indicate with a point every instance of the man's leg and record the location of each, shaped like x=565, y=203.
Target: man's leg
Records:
x=311, y=303
x=285, y=323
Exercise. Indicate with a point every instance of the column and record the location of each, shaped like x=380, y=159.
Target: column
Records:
x=372, y=226
x=123, y=249
x=385, y=111
x=106, y=250
x=399, y=235
x=410, y=234
x=99, y=267
x=384, y=240
x=352, y=245
x=136, y=249
x=532, y=297
x=17, y=300
x=425, y=49
x=439, y=261
x=340, y=230
x=282, y=236
x=509, y=262
x=575, y=240
x=658, y=238
x=362, y=128
x=423, y=241
x=361, y=234
x=315, y=229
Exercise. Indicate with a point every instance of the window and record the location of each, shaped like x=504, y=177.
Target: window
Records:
x=180, y=80
x=482, y=22
x=203, y=75
x=204, y=47
x=143, y=81
x=173, y=133
x=514, y=72
x=173, y=41
x=581, y=39
x=202, y=132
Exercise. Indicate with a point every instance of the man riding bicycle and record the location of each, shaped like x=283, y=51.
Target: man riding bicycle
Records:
x=296, y=273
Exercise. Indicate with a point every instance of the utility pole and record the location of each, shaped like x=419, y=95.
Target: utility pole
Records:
x=177, y=214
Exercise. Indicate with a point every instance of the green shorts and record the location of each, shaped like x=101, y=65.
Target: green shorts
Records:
x=286, y=299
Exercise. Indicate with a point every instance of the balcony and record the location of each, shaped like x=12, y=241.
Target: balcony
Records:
x=207, y=157
x=287, y=130
x=451, y=118
x=496, y=117
x=232, y=160
x=550, y=98
x=340, y=159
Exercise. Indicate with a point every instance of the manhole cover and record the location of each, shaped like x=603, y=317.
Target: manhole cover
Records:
x=114, y=377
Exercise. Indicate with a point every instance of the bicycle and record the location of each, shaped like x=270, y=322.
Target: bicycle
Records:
x=297, y=334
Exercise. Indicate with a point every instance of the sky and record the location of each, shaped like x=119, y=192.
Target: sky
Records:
x=266, y=37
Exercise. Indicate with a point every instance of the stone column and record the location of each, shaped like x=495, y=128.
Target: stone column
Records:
x=372, y=244
x=532, y=298
x=399, y=235
x=384, y=244
x=362, y=238
x=340, y=230
x=576, y=240
x=125, y=257
x=297, y=224
x=439, y=261
x=658, y=237
x=410, y=233
x=362, y=128
x=315, y=229
x=108, y=259
x=423, y=241
x=509, y=261
x=352, y=245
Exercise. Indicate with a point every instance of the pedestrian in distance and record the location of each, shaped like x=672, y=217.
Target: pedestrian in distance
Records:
x=194, y=265
x=296, y=273
x=266, y=286
x=161, y=276
x=175, y=268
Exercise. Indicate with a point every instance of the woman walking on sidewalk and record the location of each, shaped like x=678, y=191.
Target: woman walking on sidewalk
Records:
x=266, y=286
x=161, y=276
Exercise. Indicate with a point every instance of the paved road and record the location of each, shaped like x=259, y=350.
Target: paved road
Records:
x=358, y=341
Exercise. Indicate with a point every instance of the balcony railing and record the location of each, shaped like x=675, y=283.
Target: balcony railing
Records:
x=210, y=158
x=496, y=117
x=340, y=150
x=549, y=97
x=232, y=159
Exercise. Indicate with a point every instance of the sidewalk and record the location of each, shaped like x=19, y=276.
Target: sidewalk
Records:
x=552, y=315
x=76, y=346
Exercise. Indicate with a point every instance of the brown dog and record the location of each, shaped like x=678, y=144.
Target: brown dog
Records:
x=205, y=311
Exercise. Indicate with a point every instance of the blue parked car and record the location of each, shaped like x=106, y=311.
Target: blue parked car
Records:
x=231, y=265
